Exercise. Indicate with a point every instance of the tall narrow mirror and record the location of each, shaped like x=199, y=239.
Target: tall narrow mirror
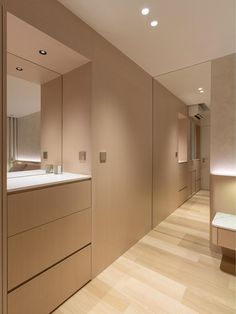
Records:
x=181, y=117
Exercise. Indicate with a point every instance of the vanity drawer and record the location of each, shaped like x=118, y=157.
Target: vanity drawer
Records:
x=33, y=251
x=33, y=208
x=47, y=291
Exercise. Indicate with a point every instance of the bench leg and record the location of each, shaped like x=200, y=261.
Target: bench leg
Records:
x=228, y=261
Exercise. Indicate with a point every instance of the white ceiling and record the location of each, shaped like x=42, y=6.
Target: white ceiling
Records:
x=25, y=41
x=23, y=97
x=185, y=83
x=189, y=31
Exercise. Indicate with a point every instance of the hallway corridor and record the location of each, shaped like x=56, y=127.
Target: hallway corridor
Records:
x=170, y=270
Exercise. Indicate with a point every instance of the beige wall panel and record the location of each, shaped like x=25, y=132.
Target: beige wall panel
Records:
x=226, y=239
x=51, y=121
x=30, y=209
x=31, y=252
x=76, y=119
x=223, y=116
x=121, y=126
x=165, y=145
x=223, y=196
x=45, y=292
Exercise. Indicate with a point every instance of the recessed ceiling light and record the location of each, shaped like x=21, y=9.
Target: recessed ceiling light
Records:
x=202, y=91
x=200, y=88
x=145, y=11
x=154, y=23
x=19, y=69
x=43, y=52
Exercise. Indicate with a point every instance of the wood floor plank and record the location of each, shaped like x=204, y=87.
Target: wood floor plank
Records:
x=171, y=270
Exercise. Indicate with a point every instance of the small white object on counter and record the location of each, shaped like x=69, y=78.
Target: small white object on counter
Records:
x=20, y=183
x=224, y=221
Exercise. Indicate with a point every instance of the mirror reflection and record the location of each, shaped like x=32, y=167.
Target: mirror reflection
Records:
x=29, y=87
x=36, y=66
x=192, y=87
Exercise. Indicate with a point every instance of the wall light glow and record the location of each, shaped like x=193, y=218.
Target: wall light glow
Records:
x=224, y=172
x=29, y=159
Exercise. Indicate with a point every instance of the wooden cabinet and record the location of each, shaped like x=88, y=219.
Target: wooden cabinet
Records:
x=44, y=293
x=29, y=209
x=49, y=244
x=31, y=252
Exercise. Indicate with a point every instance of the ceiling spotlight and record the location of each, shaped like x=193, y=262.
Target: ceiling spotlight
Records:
x=200, y=88
x=202, y=91
x=154, y=23
x=19, y=69
x=43, y=52
x=145, y=11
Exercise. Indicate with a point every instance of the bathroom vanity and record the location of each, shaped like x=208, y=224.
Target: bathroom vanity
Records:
x=49, y=240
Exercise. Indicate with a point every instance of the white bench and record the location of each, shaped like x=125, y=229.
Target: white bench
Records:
x=224, y=235
x=224, y=230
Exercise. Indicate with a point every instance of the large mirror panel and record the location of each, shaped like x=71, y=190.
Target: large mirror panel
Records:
x=33, y=115
x=181, y=118
x=36, y=65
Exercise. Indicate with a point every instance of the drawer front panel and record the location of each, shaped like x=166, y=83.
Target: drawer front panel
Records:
x=33, y=251
x=47, y=291
x=226, y=238
x=30, y=209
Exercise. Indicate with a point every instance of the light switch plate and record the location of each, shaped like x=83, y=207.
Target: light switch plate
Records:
x=45, y=155
x=103, y=157
x=82, y=156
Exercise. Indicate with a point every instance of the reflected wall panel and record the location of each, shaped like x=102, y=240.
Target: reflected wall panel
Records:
x=77, y=120
x=167, y=176
x=51, y=121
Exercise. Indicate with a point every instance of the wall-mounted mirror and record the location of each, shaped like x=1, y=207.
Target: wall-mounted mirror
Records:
x=36, y=64
x=30, y=88
x=192, y=86
x=182, y=102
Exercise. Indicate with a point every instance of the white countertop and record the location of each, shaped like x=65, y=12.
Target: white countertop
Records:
x=16, y=174
x=32, y=180
x=224, y=221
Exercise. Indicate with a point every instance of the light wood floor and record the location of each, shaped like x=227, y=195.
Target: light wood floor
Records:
x=171, y=270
